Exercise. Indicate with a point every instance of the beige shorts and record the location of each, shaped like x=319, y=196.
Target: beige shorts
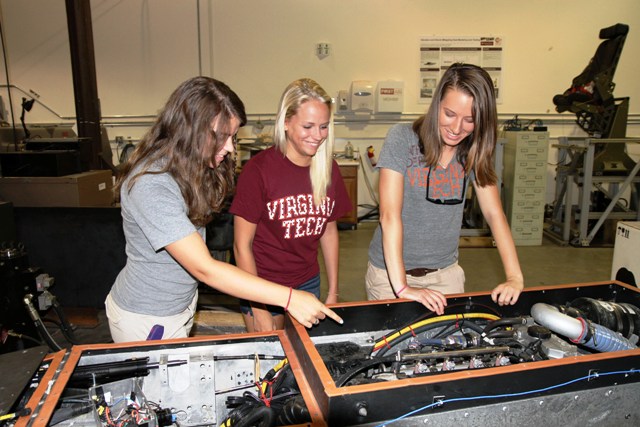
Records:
x=127, y=326
x=448, y=280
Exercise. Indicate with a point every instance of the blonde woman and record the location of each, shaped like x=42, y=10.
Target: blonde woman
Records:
x=287, y=202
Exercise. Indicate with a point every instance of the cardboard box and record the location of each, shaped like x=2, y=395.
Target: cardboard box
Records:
x=92, y=188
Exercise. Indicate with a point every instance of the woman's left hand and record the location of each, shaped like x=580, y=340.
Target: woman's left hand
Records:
x=508, y=292
x=331, y=298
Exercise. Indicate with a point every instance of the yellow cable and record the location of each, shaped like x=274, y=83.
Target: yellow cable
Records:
x=380, y=343
x=280, y=365
x=8, y=416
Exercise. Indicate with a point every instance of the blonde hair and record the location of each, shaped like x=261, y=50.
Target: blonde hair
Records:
x=296, y=94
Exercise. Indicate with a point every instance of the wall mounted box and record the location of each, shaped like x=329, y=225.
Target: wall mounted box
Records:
x=390, y=97
x=362, y=96
x=525, y=393
x=92, y=188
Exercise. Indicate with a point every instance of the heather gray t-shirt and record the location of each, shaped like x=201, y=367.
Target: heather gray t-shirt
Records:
x=154, y=215
x=430, y=231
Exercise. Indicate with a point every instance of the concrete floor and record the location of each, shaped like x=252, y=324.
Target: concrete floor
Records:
x=548, y=264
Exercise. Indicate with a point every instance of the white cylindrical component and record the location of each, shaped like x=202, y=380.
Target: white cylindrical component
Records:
x=601, y=339
x=548, y=316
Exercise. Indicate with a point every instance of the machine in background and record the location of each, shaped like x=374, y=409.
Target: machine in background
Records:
x=598, y=164
x=24, y=294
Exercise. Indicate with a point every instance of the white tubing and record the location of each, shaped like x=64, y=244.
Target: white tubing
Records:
x=549, y=316
x=602, y=339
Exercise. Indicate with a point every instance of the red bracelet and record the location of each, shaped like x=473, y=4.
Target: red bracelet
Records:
x=286, y=307
x=401, y=290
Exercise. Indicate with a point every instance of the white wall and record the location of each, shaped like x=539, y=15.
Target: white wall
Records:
x=547, y=43
x=145, y=48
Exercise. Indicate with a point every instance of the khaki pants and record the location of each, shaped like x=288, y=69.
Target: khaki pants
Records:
x=127, y=326
x=448, y=280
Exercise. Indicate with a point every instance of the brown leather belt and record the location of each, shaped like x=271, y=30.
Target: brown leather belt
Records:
x=420, y=272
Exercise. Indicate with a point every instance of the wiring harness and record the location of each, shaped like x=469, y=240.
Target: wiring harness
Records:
x=277, y=402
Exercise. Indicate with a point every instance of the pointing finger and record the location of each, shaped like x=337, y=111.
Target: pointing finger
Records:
x=332, y=315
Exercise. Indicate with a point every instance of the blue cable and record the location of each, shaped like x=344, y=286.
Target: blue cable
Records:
x=498, y=396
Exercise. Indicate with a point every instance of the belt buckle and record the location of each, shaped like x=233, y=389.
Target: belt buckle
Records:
x=420, y=271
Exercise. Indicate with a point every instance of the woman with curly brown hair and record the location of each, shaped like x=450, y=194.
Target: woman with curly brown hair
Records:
x=176, y=180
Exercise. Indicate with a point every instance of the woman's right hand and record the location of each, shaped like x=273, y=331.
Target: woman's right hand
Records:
x=308, y=310
x=262, y=320
x=433, y=300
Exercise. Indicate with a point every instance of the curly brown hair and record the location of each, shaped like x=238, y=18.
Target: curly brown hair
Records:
x=179, y=143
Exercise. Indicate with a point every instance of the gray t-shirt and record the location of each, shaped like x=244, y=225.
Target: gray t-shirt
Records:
x=154, y=215
x=430, y=231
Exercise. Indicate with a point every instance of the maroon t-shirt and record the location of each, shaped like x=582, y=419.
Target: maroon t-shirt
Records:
x=276, y=195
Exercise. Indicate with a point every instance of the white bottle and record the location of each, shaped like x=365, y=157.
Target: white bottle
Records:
x=348, y=150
